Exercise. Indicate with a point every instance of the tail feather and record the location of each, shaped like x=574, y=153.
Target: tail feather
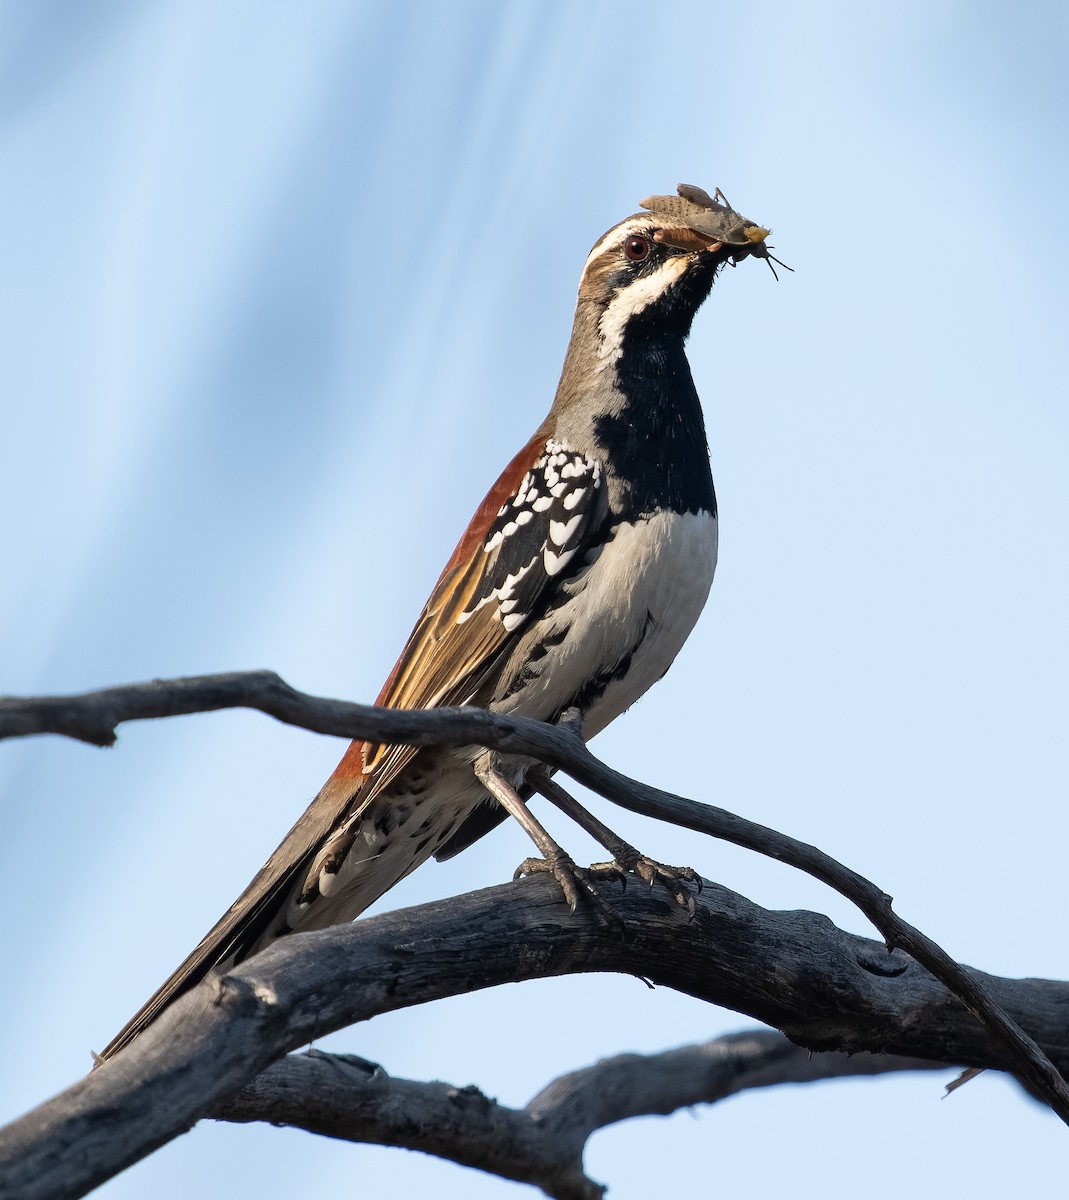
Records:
x=246, y=924
x=358, y=838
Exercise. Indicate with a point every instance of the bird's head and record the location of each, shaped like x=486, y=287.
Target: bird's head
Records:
x=653, y=271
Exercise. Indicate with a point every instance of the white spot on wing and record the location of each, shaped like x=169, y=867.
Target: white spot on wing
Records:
x=561, y=531
x=509, y=585
x=555, y=563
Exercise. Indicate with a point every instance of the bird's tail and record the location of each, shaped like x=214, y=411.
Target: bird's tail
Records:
x=253, y=919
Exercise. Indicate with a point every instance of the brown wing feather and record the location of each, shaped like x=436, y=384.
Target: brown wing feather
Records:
x=443, y=662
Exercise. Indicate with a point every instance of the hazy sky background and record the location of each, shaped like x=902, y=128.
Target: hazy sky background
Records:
x=285, y=285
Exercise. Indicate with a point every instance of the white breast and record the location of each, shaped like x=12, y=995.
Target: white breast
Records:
x=638, y=601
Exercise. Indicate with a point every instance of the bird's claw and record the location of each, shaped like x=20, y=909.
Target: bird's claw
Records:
x=612, y=872
x=673, y=878
x=574, y=882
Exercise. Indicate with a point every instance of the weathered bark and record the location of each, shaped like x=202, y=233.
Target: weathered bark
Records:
x=342, y=1096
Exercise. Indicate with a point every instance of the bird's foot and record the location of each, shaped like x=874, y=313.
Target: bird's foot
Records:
x=625, y=858
x=576, y=882
x=674, y=879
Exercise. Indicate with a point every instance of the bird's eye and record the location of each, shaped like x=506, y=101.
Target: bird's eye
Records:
x=637, y=247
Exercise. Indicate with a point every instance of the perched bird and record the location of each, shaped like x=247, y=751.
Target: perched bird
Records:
x=571, y=591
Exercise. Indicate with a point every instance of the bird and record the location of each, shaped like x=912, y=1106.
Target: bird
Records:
x=570, y=593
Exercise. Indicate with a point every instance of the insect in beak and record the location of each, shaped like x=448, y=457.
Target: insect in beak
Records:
x=698, y=221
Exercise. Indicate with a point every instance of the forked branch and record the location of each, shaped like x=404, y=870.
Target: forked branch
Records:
x=826, y=989
x=94, y=716
x=345, y=1097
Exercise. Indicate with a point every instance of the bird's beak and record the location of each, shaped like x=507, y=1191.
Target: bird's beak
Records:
x=686, y=239
x=692, y=240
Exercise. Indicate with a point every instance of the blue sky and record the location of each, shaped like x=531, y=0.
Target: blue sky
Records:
x=285, y=285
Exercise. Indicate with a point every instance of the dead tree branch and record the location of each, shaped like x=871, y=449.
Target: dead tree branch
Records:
x=342, y=1096
x=93, y=717
x=824, y=988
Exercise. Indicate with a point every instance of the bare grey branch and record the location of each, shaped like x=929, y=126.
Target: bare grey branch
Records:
x=824, y=988
x=542, y=1144
x=93, y=717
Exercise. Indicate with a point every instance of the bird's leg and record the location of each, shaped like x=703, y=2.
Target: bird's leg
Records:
x=625, y=857
x=573, y=880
